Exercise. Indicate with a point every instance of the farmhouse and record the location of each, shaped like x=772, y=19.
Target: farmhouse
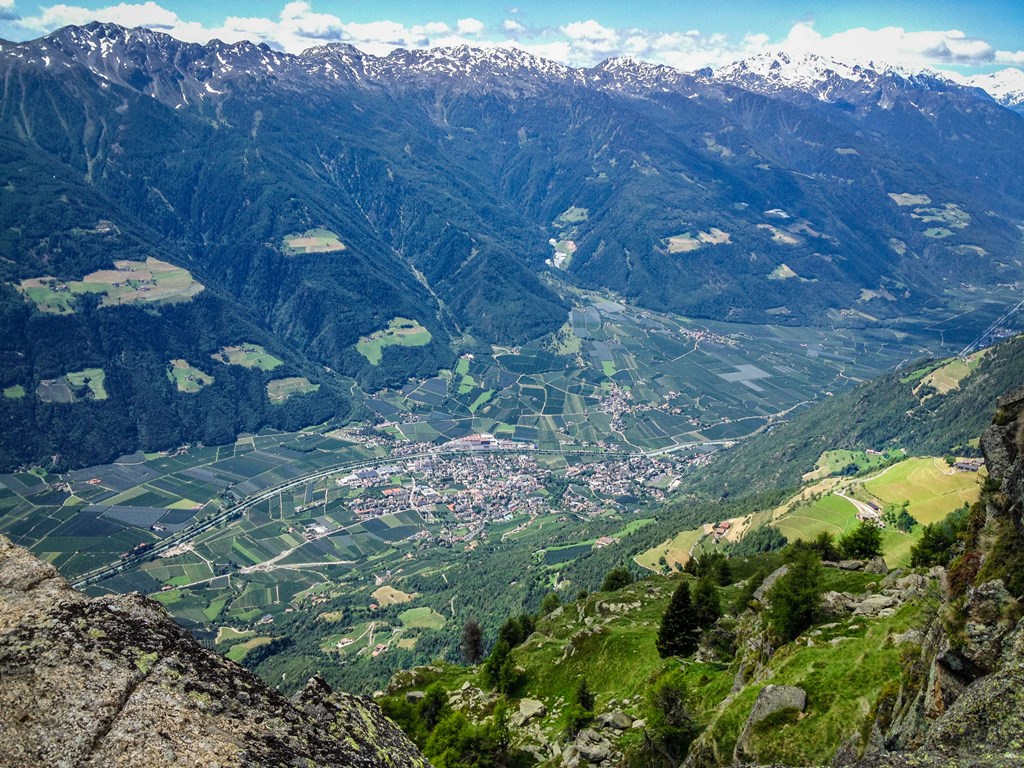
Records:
x=969, y=465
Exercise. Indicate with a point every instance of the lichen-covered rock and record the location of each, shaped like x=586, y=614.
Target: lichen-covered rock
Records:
x=618, y=720
x=990, y=612
x=114, y=681
x=876, y=565
x=769, y=582
x=592, y=746
x=528, y=710
x=870, y=606
x=772, y=700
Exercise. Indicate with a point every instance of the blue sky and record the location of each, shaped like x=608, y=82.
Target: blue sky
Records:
x=968, y=37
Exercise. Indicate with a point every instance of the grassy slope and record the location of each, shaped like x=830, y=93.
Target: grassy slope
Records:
x=614, y=650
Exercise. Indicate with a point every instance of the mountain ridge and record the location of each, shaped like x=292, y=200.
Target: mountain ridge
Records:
x=766, y=72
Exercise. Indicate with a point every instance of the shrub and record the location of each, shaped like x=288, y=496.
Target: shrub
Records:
x=793, y=599
x=616, y=579
x=862, y=543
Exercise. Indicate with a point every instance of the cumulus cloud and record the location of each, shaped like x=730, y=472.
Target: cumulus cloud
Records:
x=895, y=45
x=469, y=26
x=582, y=42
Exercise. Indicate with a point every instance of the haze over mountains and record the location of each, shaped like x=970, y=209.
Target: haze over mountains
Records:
x=776, y=190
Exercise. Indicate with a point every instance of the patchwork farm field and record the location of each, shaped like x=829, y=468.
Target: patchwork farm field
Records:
x=130, y=282
x=247, y=356
x=87, y=518
x=632, y=380
x=279, y=390
x=88, y=384
x=313, y=241
x=400, y=332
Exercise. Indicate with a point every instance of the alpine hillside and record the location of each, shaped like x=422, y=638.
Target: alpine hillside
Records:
x=360, y=220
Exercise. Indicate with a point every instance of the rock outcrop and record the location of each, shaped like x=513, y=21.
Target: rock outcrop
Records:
x=772, y=701
x=114, y=681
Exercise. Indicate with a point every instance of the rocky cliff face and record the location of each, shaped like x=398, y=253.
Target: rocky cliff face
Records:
x=114, y=681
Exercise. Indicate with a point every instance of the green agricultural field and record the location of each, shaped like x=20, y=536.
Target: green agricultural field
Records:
x=247, y=356
x=279, y=390
x=832, y=514
x=93, y=378
x=74, y=387
x=240, y=650
x=230, y=634
x=676, y=551
x=15, y=392
x=481, y=400
x=572, y=215
x=421, y=618
x=932, y=488
x=837, y=461
x=48, y=294
x=313, y=241
x=130, y=282
x=186, y=378
x=399, y=332
x=949, y=376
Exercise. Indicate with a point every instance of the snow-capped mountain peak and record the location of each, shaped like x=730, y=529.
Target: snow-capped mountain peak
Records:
x=826, y=78
x=779, y=69
x=1005, y=86
x=624, y=73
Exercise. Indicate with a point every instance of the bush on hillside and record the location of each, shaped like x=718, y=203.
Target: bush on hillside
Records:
x=861, y=543
x=793, y=599
x=616, y=579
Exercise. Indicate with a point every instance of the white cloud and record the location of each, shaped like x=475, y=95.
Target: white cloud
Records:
x=470, y=26
x=512, y=26
x=6, y=5
x=1010, y=57
x=895, y=45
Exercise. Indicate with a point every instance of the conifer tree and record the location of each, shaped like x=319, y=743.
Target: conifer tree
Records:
x=472, y=644
x=677, y=635
x=707, y=608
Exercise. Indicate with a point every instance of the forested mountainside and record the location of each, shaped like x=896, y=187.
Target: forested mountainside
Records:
x=310, y=204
